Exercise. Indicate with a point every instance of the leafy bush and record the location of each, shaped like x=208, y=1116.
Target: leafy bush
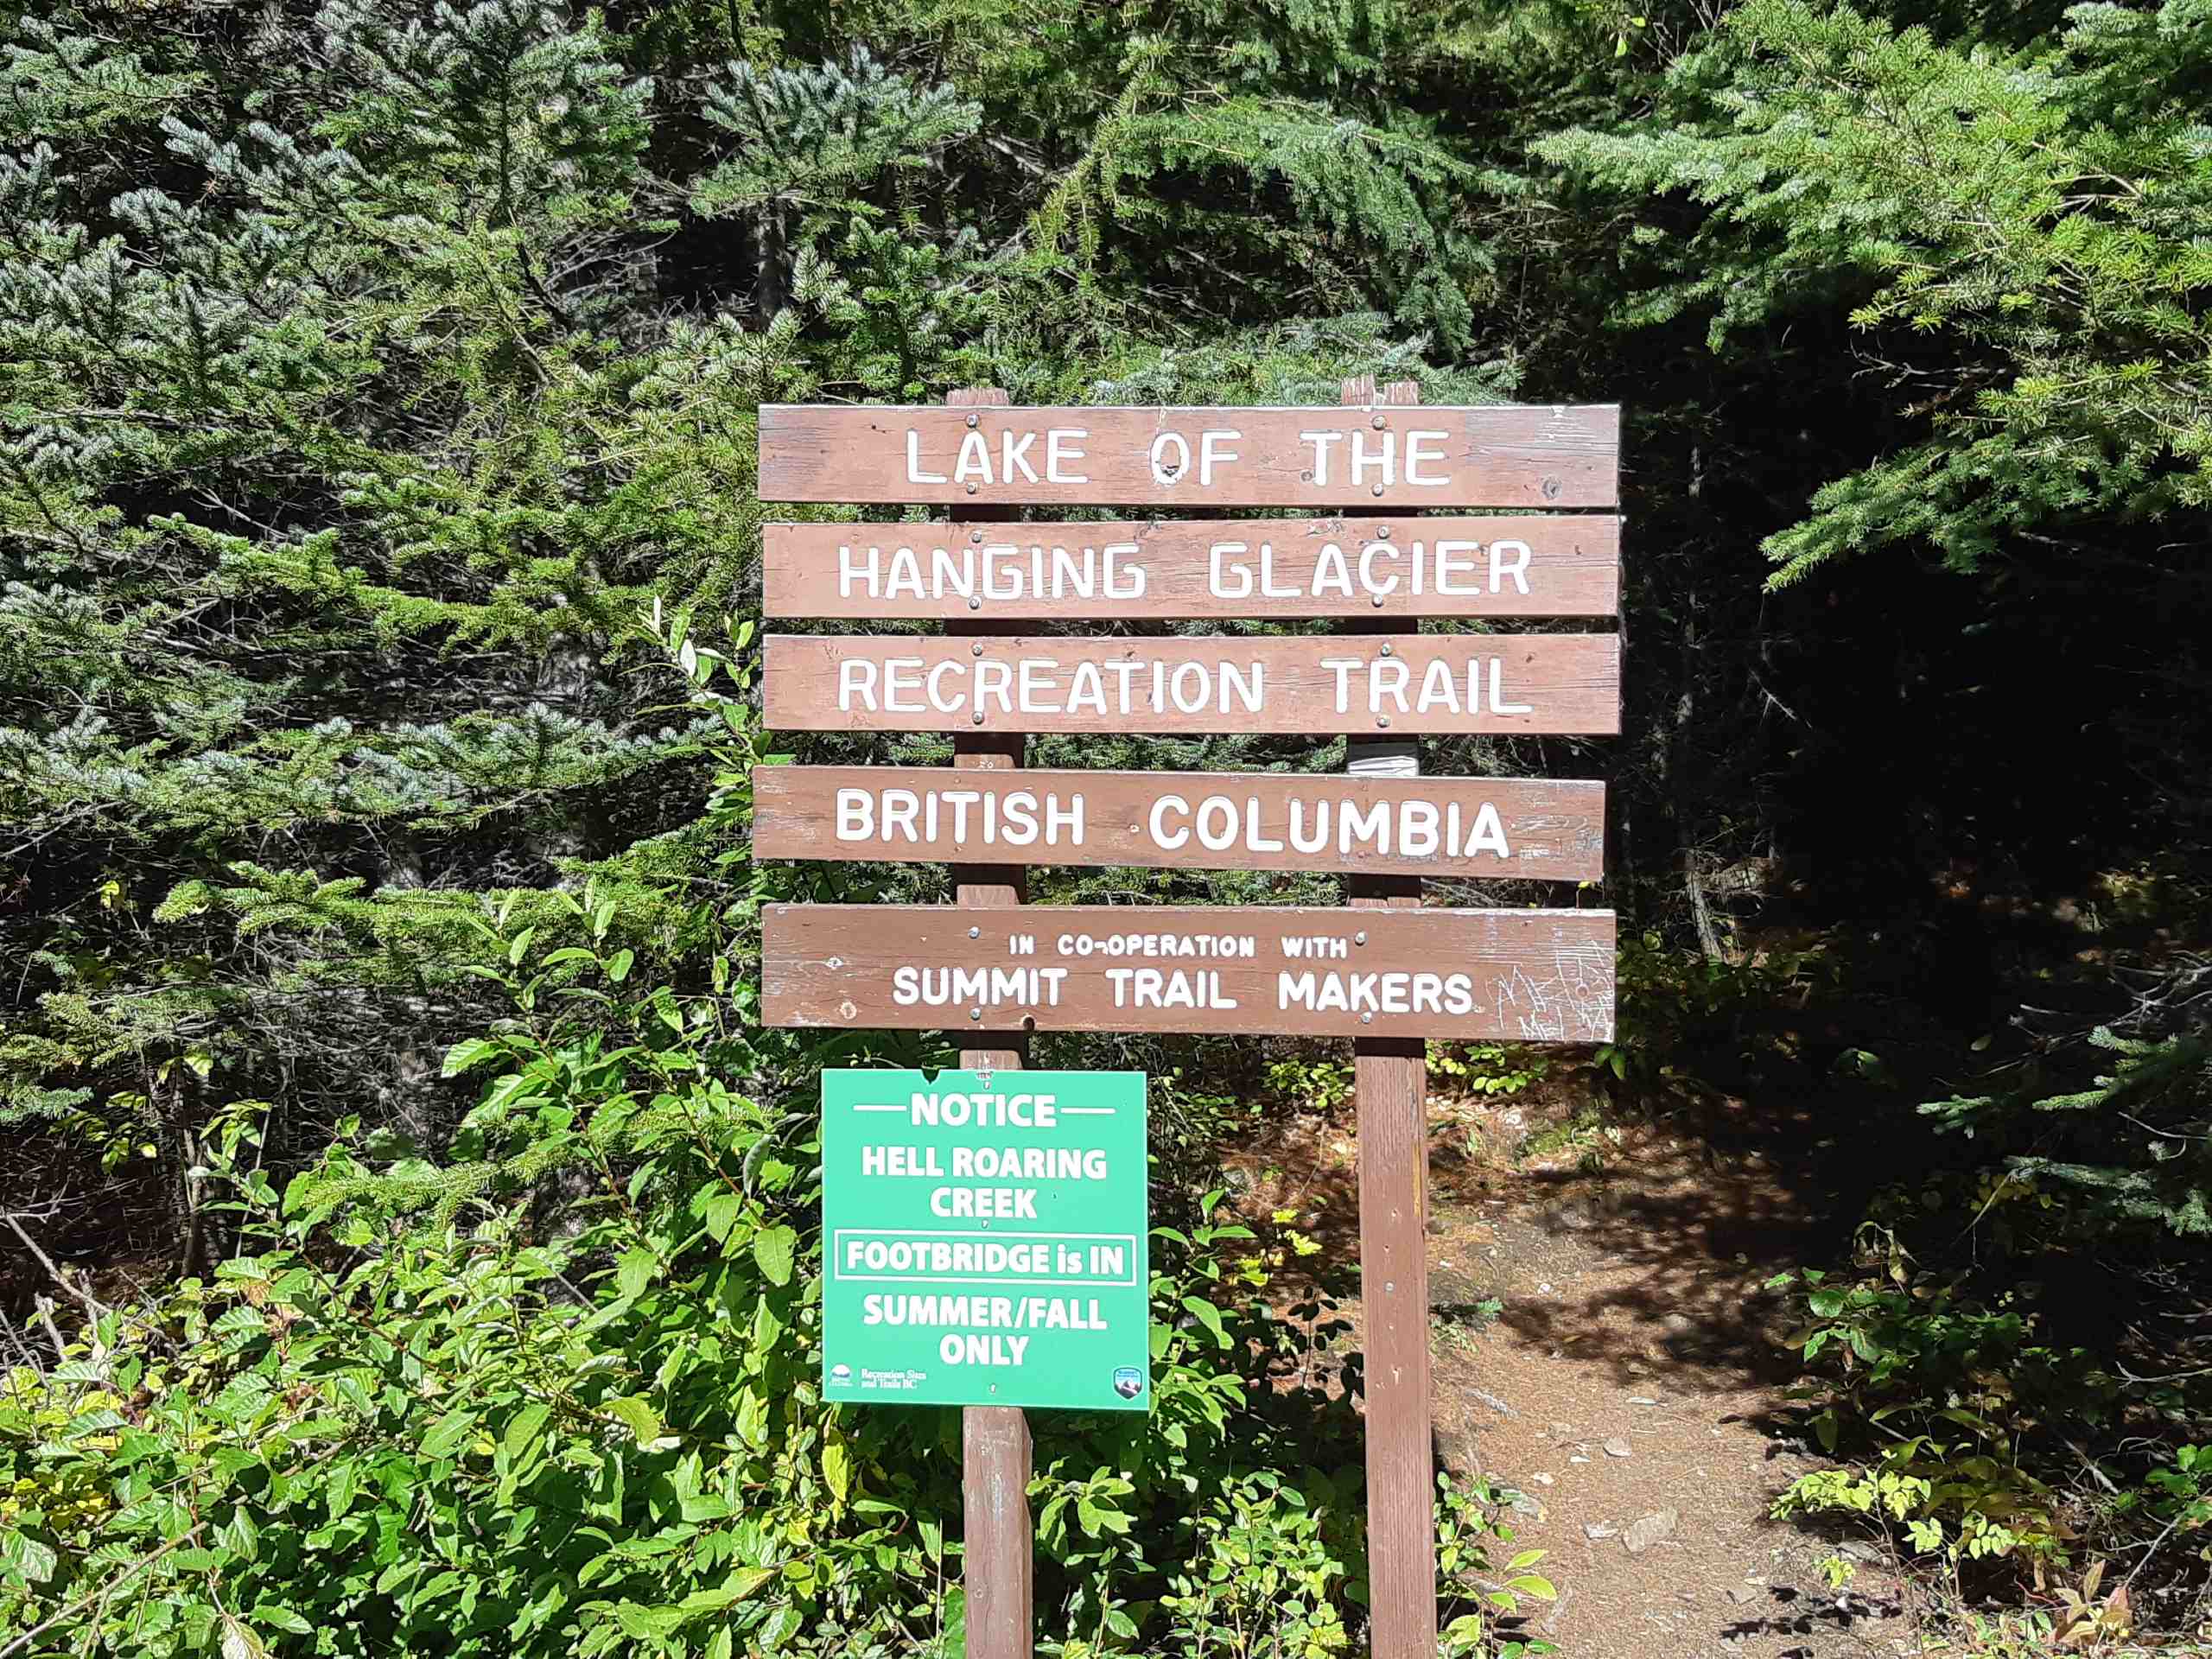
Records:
x=1323, y=1084
x=1672, y=1001
x=422, y=1406
x=1934, y=1392
x=1489, y=1068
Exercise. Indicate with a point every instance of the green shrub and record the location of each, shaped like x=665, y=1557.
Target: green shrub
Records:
x=421, y=1407
x=1932, y=1395
x=1489, y=1068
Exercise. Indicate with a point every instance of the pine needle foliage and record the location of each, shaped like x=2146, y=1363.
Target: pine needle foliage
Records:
x=2043, y=211
x=367, y=376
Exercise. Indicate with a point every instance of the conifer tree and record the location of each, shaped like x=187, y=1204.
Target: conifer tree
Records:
x=370, y=376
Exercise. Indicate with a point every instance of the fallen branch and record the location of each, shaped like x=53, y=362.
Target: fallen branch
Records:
x=92, y=1305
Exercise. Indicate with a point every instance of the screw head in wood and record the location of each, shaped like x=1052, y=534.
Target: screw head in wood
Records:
x=1386, y=650
x=1551, y=489
x=976, y=650
x=1379, y=720
x=974, y=419
x=975, y=932
x=975, y=1013
x=1378, y=423
x=978, y=720
x=1366, y=1019
x=974, y=603
x=1378, y=601
x=976, y=537
x=971, y=489
x=1378, y=488
x=1359, y=939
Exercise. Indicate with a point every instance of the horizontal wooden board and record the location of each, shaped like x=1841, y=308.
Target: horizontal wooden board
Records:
x=1504, y=455
x=1565, y=564
x=1529, y=975
x=1518, y=827
x=1524, y=683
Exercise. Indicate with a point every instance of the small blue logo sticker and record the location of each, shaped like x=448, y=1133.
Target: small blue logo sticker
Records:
x=840, y=1373
x=1128, y=1381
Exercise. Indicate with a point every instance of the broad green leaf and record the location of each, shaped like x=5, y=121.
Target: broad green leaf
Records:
x=1208, y=1315
x=449, y=1434
x=473, y=1050
x=239, y=1535
x=33, y=1559
x=752, y=1424
x=778, y=1628
x=648, y=1624
x=338, y=1494
x=633, y=1271
x=776, y=1249
x=638, y=1415
x=523, y=1426
x=735, y=1588
x=719, y=1213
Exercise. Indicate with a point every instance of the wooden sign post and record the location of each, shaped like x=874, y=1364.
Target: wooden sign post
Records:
x=1386, y=971
x=1391, y=1089
x=999, y=1551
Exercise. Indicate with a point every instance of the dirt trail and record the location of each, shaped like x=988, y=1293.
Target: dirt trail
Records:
x=1628, y=1388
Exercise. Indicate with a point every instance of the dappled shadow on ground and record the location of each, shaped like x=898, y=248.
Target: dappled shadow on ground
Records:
x=1698, y=1208
x=1606, y=1353
x=1704, y=1190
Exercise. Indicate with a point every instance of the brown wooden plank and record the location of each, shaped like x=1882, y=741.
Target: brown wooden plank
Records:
x=1563, y=564
x=1524, y=683
x=1504, y=455
x=1390, y=1094
x=999, y=1541
x=999, y=1548
x=1496, y=826
x=1532, y=975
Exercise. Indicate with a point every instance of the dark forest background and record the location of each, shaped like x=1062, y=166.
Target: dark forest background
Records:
x=409, y=1241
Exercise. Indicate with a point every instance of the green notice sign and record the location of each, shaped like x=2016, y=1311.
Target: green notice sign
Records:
x=985, y=1239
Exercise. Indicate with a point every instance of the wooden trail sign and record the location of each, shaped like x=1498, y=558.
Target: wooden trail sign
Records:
x=1518, y=827
x=1502, y=455
x=1560, y=565
x=1510, y=684
x=1385, y=526
x=1526, y=975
